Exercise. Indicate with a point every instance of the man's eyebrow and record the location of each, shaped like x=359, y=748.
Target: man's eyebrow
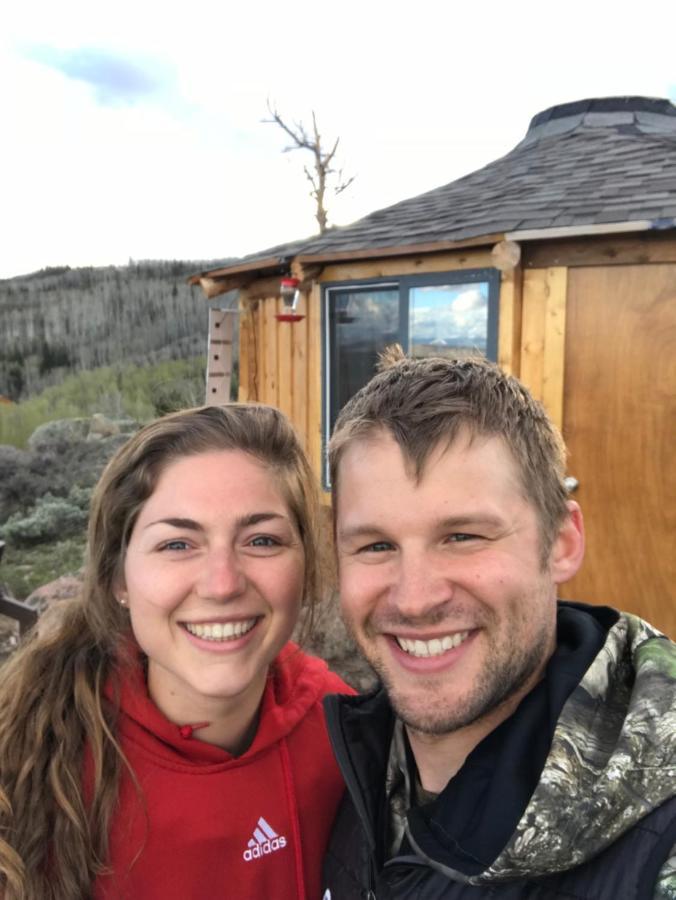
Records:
x=241, y=522
x=449, y=523
x=472, y=521
x=356, y=531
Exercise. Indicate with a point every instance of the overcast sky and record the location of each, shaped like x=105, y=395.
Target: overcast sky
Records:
x=132, y=129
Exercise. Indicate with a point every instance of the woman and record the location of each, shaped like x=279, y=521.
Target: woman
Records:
x=163, y=739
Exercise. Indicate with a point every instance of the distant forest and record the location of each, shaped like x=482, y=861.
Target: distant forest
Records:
x=61, y=321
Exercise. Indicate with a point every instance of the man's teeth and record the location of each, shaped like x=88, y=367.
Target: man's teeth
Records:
x=434, y=647
x=221, y=631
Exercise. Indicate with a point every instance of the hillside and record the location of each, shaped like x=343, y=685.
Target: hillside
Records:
x=61, y=320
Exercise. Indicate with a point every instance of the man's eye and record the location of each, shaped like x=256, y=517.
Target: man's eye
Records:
x=461, y=536
x=376, y=547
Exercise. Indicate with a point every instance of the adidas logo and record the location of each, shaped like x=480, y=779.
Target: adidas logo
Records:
x=265, y=840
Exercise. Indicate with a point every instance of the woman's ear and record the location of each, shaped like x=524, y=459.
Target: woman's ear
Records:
x=120, y=593
x=567, y=550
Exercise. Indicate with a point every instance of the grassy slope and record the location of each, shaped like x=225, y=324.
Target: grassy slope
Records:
x=122, y=391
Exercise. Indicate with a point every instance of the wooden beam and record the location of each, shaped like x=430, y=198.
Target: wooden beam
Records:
x=543, y=328
x=637, y=249
x=477, y=258
x=555, y=337
x=314, y=386
x=534, y=304
x=509, y=321
x=299, y=349
x=307, y=262
x=254, y=266
x=263, y=288
x=214, y=287
x=306, y=274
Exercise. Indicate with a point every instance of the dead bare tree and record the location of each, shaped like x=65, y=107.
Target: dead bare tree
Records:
x=322, y=169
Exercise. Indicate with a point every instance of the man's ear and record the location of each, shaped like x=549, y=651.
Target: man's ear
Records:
x=567, y=550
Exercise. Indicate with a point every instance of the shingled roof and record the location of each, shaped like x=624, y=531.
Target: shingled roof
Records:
x=588, y=163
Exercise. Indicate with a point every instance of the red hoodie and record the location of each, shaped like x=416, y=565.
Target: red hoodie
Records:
x=210, y=825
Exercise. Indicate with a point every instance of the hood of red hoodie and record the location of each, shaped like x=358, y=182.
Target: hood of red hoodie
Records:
x=295, y=682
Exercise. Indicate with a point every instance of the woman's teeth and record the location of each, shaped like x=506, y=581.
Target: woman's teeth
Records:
x=435, y=647
x=221, y=631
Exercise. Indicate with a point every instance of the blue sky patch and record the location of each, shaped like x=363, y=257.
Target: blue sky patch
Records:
x=115, y=79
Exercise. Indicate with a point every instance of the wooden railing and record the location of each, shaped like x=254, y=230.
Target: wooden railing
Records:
x=25, y=615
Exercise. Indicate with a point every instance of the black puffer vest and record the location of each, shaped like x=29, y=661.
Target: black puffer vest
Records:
x=627, y=870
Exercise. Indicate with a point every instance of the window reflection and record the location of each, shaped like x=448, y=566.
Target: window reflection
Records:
x=448, y=320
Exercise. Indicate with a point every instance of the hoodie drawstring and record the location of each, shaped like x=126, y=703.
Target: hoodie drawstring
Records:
x=295, y=824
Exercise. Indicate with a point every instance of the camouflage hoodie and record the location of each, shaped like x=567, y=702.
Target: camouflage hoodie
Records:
x=612, y=762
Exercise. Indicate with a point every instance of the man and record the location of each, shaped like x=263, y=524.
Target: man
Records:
x=518, y=747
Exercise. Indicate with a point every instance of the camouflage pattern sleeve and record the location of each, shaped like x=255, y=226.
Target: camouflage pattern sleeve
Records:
x=665, y=888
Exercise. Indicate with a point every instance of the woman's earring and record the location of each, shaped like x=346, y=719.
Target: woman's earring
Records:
x=122, y=601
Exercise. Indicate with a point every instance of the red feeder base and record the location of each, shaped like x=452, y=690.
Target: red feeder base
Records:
x=288, y=317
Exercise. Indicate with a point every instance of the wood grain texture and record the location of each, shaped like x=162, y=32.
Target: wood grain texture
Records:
x=543, y=336
x=314, y=383
x=299, y=352
x=284, y=362
x=268, y=349
x=534, y=305
x=641, y=249
x=408, y=265
x=620, y=426
x=554, y=344
x=509, y=321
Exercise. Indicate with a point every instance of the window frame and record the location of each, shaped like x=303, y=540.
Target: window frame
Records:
x=404, y=283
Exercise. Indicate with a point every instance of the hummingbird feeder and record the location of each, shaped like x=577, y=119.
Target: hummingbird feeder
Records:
x=289, y=292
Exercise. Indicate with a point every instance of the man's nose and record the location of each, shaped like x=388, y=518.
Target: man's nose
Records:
x=222, y=577
x=422, y=585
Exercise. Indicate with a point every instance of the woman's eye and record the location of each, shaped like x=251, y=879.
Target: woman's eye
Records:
x=175, y=545
x=264, y=540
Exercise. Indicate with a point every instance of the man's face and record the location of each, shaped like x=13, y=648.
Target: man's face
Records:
x=442, y=581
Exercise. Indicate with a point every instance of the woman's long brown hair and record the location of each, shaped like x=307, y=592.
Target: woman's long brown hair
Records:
x=53, y=839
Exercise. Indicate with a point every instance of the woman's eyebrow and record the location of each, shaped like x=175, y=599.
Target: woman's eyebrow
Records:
x=256, y=518
x=190, y=524
x=241, y=522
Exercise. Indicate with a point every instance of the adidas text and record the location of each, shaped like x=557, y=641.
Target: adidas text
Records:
x=263, y=849
x=265, y=840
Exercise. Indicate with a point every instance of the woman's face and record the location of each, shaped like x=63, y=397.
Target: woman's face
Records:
x=213, y=577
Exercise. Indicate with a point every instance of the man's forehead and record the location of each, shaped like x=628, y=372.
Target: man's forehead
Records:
x=366, y=448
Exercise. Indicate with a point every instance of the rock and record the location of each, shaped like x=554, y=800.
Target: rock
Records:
x=63, y=588
x=101, y=426
x=330, y=640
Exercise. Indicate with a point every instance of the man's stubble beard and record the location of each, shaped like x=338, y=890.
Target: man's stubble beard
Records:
x=495, y=685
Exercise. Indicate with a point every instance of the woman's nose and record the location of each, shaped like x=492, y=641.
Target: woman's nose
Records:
x=222, y=577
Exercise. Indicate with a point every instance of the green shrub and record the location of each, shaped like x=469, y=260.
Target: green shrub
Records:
x=49, y=520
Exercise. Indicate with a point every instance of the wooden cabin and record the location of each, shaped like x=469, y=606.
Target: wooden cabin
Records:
x=557, y=260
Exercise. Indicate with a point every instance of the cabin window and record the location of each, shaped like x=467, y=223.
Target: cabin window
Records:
x=446, y=314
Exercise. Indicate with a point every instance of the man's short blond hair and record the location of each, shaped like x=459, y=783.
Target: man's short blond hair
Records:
x=425, y=403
